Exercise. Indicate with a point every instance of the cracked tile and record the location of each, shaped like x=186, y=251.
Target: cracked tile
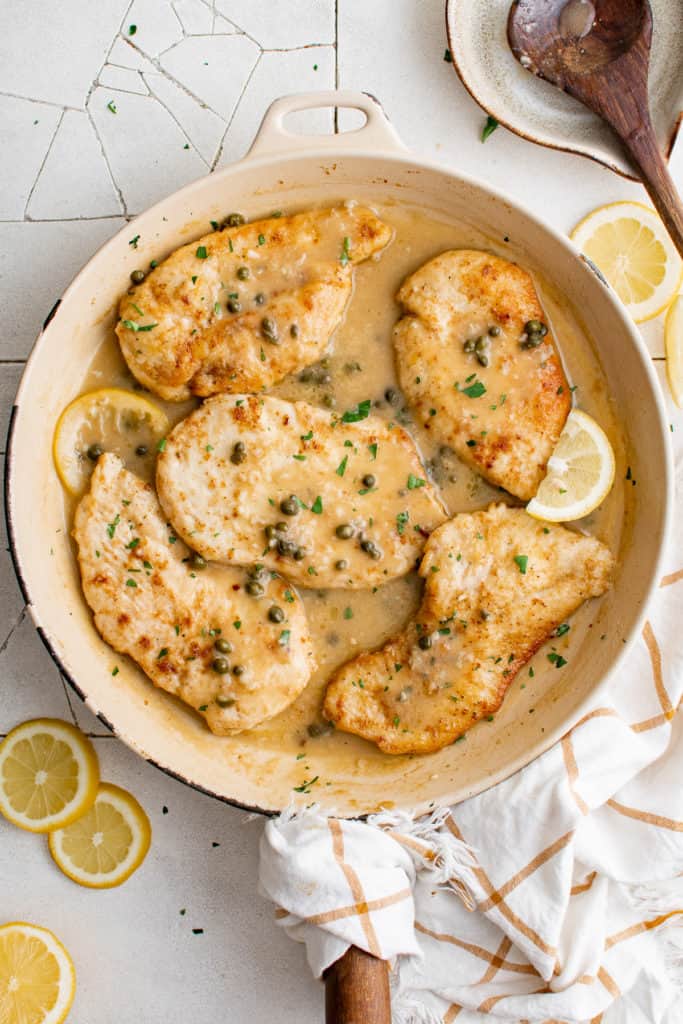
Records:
x=40, y=260
x=282, y=25
x=223, y=27
x=30, y=684
x=75, y=181
x=196, y=16
x=144, y=147
x=124, y=79
x=11, y=605
x=203, y=128
x=53, y=52
x=125, y=55
x=26, y=130
x=196, y=60
x=265, y=85
x=158, y=26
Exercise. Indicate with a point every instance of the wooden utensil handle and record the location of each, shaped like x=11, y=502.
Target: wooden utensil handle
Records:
x=644, y=149
x=357, y=990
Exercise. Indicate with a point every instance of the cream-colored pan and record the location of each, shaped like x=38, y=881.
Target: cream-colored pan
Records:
x=290, y=171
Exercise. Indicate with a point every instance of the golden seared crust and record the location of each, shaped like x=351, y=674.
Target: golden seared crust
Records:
x=296, y=450
x=299, y=267
x=483, y=617
x=150, y=603
x=503, y=419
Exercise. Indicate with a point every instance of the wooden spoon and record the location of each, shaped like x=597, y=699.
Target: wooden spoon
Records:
x=357, y=990
x=599, y=52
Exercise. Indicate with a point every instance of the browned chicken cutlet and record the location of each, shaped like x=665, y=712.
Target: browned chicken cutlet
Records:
x=497, y=583
x=473, y=376
x=239, y=309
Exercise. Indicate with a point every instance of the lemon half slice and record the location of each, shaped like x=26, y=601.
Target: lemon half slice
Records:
x=110, y=419
x=48, y=775
x=37, y=977
x=673, y=340
x=629, y=244
x=580, y=472
x=105, y=846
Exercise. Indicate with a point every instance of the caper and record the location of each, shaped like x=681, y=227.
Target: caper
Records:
x=276, y=614
x=234, y=306
x=344, y=531
x=259, y=298
x=238, y=670
x=290, y=506
x=392, y=396
x=481, y=345
x=369, y=480
x=294, y=330
x=223, y=645
x=141, y=450
x=482, y=359
x=138, y=276
x=469, y=344
x=484, y=614
x=239, y=453
x=286, y=547
x=494, y=330
x=198, y=561
x=299, y=555
x=94, y=452
x=316, y=729
x=233, y=220
x=224, y=701
x=329, y=401
x=370, y=548
x=254, y=588
x=269, y=330
x=425, y=642
x=535, y=327
x=341, y=564
x=220, y=665
x=243, y=273
x=306, y=376
x=532, y=341
x=269, y=531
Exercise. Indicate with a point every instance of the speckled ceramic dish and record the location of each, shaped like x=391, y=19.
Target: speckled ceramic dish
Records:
x=536, y=110
x=295, y=171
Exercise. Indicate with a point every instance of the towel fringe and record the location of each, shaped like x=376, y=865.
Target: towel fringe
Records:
x=448, y=858
x=405, y=1010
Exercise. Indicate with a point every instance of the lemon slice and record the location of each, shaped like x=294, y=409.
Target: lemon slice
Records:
x=110, y=419
x=673, y=340
x=580, y=472
x=104, y=847
x=37, y=977
x=48, y=775
x=629, y=244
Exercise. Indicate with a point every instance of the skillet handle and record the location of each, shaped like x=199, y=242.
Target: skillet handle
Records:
x=357, y=990
x=377, y=134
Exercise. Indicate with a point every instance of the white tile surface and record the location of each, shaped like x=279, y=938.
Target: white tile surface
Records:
x=26, y=131
x=75, y=180
x=212, y=67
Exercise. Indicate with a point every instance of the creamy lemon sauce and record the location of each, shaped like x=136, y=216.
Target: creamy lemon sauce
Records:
x=360, y=366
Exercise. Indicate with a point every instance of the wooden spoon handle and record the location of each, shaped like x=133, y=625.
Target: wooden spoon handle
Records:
x=357, y=990
x=644, y=149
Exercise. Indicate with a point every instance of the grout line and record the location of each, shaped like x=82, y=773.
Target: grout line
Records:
x=5, y=642
x=118, y=191
x=190, y=141
x=177, y=16
x=154, y=61
x=66, y=689
x=43, y=162
x=45, y=103
x=234, y=111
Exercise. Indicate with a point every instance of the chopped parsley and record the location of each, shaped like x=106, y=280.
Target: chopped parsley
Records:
x=305, y=787
x=237, y=624
x=556, y=659
x=415, y=481
x=131, y=583
x=261, y=239
x=162, y=653
x=474, y=390
x=401, y=522
x=348, y=613
x=561, y=630
x=359, y=412
x=308, y=436
x=317, y=505
x=161, y=446
x=132, y=29
x=448, y=56
x=341, y=468
x=201, y=252
x=136, y=328
x=111, y=106
x=344, y=255
x=111, y=527
x=134, y=241
x=133, y=544
x=522, y=561
x=289, y=597
x=299, y=458
x=284, y=637
x=372, y=448
x=489, y=128
x=471, y=443
x=115, y=670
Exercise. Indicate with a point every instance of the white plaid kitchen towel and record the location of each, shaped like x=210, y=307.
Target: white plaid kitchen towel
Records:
x=555, y=896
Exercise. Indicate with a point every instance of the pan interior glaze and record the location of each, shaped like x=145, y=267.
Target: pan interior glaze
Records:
x=291, y=172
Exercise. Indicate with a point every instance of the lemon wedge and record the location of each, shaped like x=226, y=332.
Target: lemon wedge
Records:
x=109, y=419
x=105, y=846
x=37, y=977
x=673, y=341
x=580, y=472
x=48, y=775
x=630, y=246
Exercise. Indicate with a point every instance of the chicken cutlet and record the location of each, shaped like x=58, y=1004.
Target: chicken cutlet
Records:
x=497, y=584
x=479, y=366
x=210, y=635
x=329, y=500
x=239, y=309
